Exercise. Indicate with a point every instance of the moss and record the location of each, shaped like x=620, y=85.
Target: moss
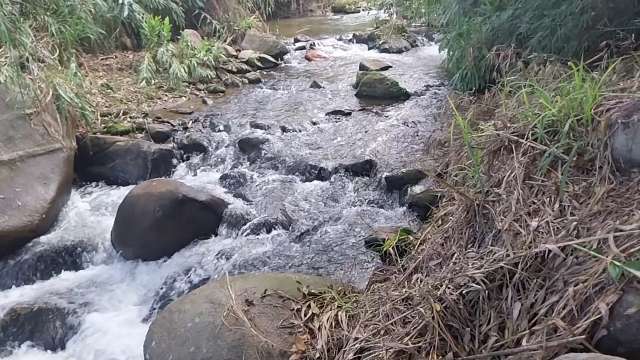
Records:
x=118, y=129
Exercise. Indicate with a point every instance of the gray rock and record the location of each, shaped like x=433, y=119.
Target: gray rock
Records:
x=339, y=112
x=316, y=85
x=301, y=38
x=46, y=326
x=365, y=168
x=308, y=172
x=624, y=140
x=160, y=133
x=376, y=85
x=264, y=43
x=160, y=217
x=215, y=89
x=173, y=287
x=36, y=172
x=228, y=79
x=394, y=45
x=622, y=332
x=423, y=202
x=253, y=78
x=122, y=161
x=234, y=180
x=245, y=55
x=262, y=62
x=258, y=125
x=266, y=225
x=229, y=51
x=26, y=268
x=235, y=67
x=202, y=324
x=192, y=144
x=374, y=65
x=192, y=37
x=587, y=356
x=400, y=180
x=252, y=145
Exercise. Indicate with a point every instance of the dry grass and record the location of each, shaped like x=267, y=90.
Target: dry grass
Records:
x=501, y=270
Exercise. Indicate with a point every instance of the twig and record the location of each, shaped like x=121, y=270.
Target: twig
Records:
x=523, y=349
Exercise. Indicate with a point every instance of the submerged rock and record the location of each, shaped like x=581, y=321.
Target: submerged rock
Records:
x=308, y=172
x=376, y=85
x=252, y=146
x=160, y=217
x=622, y=332
x=122, y=161
x=174, y=334
x=266, y=225
x=315, y=85
x=234, y=180
x=48, y=327
x=258, y=125
x=264, y=43
x=374, y=65
x=173, y=287
x=42, y=264
x=365, y=168
x=402, y=179
x=394, y=45
x=339, y=113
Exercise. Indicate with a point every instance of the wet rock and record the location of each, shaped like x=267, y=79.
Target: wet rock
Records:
x=258, y=125
x=374, y=65
x=229, y=51
x=315, y=55
x=624, y=140
x=264, y=43
x=394, y=45
x=36, y=173
x=174, y=334
x=266, y=225
x=252, y=145
x=622, y=332
x=253, y=78
x=236, y=217
x=160, y=217
x=422, y=202
x=345, y=7
x=218, y=127
x=300, y=47
x=192, y=37
x=301, y=38
x=42, y=264
x=315, y=85
x=229, y=80
x=234, y=180
x=400, y=180
x=365, y=168
x=285, y=129
x=173, y=287
x=308, y=172
x=215, y=89
x=262, y=62
x=160, y=133
x=587, y=356
x=245, y=55
x=192, y=144
x=122, y=161
x=46, y=326
x=414, y=40
x=235, y=67
x=339, y=113
x=376, y=85
x=370, y=39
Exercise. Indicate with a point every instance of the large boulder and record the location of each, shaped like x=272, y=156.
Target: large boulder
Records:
x=394, y=45
x=264, y=43
x=208, y=323
x=159, y=217
x=25, y=268
x=376, y=85
x=624, y=125
x=122, y=161
x=46, y=326
x=36, y=172
x=622, y=331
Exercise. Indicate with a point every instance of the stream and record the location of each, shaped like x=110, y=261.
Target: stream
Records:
x=329, y=219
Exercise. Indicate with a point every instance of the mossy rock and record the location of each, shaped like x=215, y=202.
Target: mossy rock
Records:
x=375, y=85
x=118, y=129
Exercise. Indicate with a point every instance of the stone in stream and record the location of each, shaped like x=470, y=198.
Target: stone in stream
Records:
x=173, y=287
x=423, y=201
x=160, y=217
x=301, y=38
x=262, y=62
x=621, y=336
x=265, y=44
x=624, y=128
x=370, y=39
x=266, y=225
x=46, y=326
x=315, y=85
x=235, y=67
x=122, y=161
x=258, y=125
x=376, y=85
x=402, y=179
x=374, y=65
x=192, y=144
x=228, y=79
x=205, y=323
x=233, y=180
x=159, y=133
x=253, y=78
x=215, y=89
x=252, y=146
x=36, y=172
x=29, y=267
x=365, y=168
x=394, y=45
x=308, y=172
x=339, y=112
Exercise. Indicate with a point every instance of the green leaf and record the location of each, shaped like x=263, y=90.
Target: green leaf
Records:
x=615, y=271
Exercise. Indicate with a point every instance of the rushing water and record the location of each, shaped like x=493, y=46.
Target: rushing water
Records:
x=329, y=218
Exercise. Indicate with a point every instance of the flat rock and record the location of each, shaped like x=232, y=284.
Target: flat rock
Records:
x=374, y=65
x=203, y=322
